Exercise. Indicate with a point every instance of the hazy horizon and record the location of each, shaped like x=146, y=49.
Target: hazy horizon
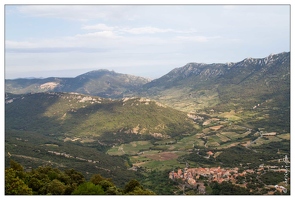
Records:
x=77, y=72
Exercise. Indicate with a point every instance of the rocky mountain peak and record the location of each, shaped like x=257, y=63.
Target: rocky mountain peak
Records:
x=272, y=58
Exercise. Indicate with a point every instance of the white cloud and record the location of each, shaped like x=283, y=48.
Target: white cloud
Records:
x=197, y=38
x=99, y=39
x=136, y=30
x=147, y=30
x=99, y=34
x=101, y=27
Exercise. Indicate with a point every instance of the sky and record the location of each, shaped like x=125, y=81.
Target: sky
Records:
x=143, y=40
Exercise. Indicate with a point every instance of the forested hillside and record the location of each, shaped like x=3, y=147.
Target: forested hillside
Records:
x=46, y=180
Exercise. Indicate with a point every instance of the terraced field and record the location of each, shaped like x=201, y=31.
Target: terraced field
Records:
x=131, y=148
x=265, y=140
x=218, y=134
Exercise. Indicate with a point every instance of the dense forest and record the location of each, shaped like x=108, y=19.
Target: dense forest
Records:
x=46, y=180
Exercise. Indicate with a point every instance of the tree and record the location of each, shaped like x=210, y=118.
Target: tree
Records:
x=105, y=184
x=14, y=185
x=96, y=178
x=75, y=177
x=70, y=189
x=88, y=188
x=16, y=166
x=130, y=186
x=55, y=187
x=113, y=190
x=140, y=191
x=36, y=184
x=227, y=188
x=133, y=187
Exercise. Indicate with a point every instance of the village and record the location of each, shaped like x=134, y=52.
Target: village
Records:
x=194, y=177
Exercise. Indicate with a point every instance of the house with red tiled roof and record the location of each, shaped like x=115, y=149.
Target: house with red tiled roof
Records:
x=179, y=173
x=210, y=153
x=192, y=182
x=220, y=180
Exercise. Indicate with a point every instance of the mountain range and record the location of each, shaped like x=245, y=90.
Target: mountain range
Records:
x=103, y=83
x=248, y=82
x=124, y=127
x=192, y=87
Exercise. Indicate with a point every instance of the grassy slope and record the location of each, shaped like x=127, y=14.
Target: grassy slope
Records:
x=42, y=122
x=73, y=115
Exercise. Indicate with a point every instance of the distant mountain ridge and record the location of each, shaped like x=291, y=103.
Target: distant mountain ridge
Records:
x=209, y=71
x=192, y=87
x=199, y=85
x=103, y=83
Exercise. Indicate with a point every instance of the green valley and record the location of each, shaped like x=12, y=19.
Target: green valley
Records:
x=197, y=117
